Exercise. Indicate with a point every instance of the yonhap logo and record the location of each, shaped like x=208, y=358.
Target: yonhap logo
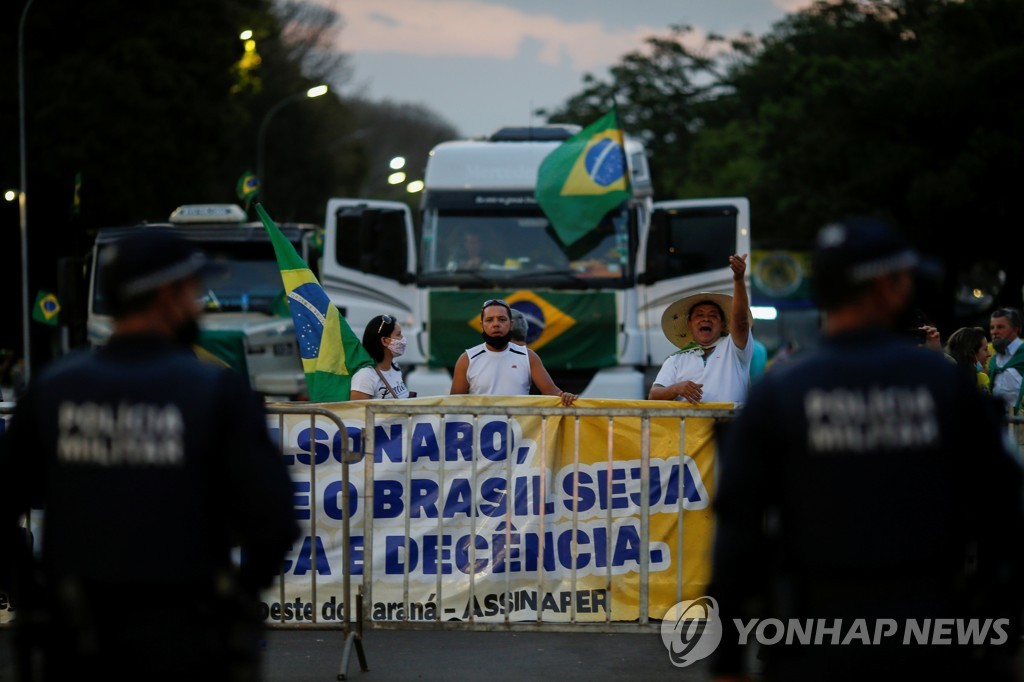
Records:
x=691, y=630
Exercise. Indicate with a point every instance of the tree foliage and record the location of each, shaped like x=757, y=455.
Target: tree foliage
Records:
x=657, y=89
x=899, y=108
x=907, y=109
x=160, y=104
x=386, y=130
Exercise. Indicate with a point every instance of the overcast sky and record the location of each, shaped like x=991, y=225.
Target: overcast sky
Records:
x=482, y=64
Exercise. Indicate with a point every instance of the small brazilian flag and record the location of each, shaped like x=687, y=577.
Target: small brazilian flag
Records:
x=317, y=241
x=76, y=201
x=47, y=309
x=330, y=351
x=248, y=187
x=583, y=178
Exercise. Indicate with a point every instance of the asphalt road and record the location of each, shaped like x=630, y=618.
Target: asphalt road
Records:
x=450, y=656
x=456, y=655
x=316, y=655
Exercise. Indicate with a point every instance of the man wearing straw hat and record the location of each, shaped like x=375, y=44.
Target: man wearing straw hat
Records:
x=715, y=344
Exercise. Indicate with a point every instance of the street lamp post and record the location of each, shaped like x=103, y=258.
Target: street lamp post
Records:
x=23, y=196
x=312, y=92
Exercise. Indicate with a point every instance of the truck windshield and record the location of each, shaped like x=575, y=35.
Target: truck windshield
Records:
x=519, y=245
x=251, y=279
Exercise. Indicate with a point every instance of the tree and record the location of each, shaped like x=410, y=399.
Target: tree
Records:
x=893, y=108
x=386, y=130
x=139, y=105
x=158, y=105
x=309, y=155
x=657, y=90
x=899, y=108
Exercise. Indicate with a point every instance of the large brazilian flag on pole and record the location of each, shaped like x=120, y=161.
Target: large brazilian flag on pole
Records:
x=330, y=352
x=583, y=178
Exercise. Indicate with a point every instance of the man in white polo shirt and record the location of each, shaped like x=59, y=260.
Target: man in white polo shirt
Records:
x=497, y=367
x=715, y=344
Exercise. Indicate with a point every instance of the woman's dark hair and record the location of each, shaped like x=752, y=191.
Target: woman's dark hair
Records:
x=376, y=329
x=962, y=345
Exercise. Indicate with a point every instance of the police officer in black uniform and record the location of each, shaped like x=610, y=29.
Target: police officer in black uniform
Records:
x=150, y=467
x=868, y=485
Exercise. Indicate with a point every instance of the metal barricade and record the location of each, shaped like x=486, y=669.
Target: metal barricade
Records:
x=406, y=412
x=1015, y=430
x=353, y=634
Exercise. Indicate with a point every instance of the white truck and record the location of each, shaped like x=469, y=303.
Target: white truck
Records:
x=594, y=308
x=246, y=323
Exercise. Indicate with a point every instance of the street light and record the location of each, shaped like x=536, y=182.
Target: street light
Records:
x=22, y=198
x=315, y=91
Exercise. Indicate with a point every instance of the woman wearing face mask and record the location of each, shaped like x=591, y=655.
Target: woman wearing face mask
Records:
x=384, y=342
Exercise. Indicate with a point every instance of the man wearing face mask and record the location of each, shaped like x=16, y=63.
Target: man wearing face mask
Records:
x=496, y=367
x=151, y=467
x=1005, y=365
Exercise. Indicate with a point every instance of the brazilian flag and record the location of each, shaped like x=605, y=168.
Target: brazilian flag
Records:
x=247, y=188
x=76, y=202
x=46, y=309
x=583, y=178
x=330, y=352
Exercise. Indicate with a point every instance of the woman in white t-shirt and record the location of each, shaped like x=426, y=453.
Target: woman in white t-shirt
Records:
x=384, y=342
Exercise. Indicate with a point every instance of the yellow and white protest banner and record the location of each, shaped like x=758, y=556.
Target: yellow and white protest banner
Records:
x=489, y=517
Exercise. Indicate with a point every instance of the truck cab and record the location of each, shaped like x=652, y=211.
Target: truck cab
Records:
x=594, y=307
x=245, y=324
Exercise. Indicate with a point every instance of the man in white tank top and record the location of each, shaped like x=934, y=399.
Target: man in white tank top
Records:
x=496, y=367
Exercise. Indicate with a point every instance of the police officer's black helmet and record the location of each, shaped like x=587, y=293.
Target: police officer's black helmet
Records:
x=850, y=253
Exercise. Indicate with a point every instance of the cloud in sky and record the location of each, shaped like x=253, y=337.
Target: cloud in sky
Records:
x=484, y=63
x=465, y=28
x=792, y=5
